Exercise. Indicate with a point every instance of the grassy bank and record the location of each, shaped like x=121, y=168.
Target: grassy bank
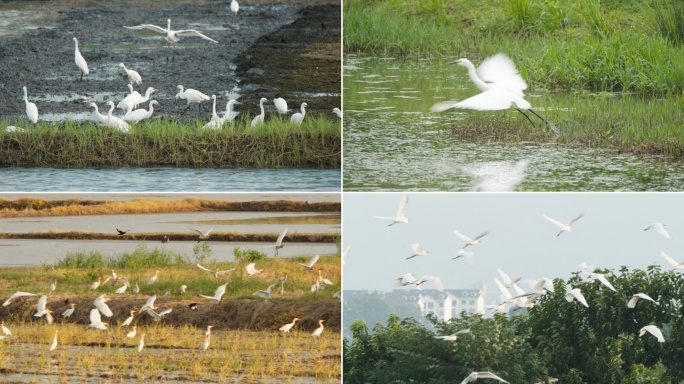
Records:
x=161, y=142
x=34, y=207
x=583, y=45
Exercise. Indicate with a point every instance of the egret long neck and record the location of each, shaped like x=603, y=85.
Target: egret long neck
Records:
x=475, y=79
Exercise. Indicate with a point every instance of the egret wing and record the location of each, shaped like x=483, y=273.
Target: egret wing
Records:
x=555, y=222
x=670, y=260
x=661, y=230
x=500, y=70
x=436, y=281
x=401, y=211
x=491, y=100
x=489, y=375
x=147, y=26
x=192, y=32
x=281, y=237
x=576, y=218
x=461, y=236
x=313, y=261
x=16, y=295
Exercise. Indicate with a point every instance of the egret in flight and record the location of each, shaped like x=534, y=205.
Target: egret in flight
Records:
x=481, y=375
x=401, y=212
x=417, y=250
x=202, y=235
x=660, y=228
x=16, y=295
x=635, y=298
x=279, y=242
x=311, y=262
x=217, y=294
x=251, y=269
x=216, y=273
x=468, y=241
x=567, y=227
x=653, y=330
x=171, y=35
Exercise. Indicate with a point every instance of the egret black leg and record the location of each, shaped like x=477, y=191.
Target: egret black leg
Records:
x=528, y=118
x=553, y=127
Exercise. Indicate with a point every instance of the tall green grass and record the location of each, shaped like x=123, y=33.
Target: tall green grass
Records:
x=141, y=257
x=668, y=18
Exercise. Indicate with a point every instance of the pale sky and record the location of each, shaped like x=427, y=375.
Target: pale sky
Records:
x=520, y=241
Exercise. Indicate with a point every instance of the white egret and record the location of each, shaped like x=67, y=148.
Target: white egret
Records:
x=660, y=228
x=171, y=35
x=234, y=7
x=129, y=319
x=52, y=287
x=635, y=298
x=94, y=285
x=345, y=253
x=31, y=109
x=136, y=289
x=115, y=122
x=297, y=118
x=205, y=344
x=16, y=295
x=468, y=241
x=69, y=311
x=191, y=96
x=281, y=105
x=141, y=343
x=281, y=281
x=251, y=269
x=42, y=309
x=567, y=227
x=230, y=115
x=202, y=235
x=311, y=262
x=501, y=85
x=53, y=346
x=508, y=298
x=103, y=118
x=417, y=250
x=165, y=312
x=12, y=129
x=80, y=61
x=265, y=293
x=279, y=242
x=216, y=122
x=481, y=375
x=653, y=330
x=576, y=294
x=183, y=288
x=217, y=294
x=101, y=304
x=133, y=76
x=507, y=280
x=317, y=332
x=259, y=119
x=337, y=112
x=128, y=103
x=208, y=331
x=121, y=289
x=408, y=279
x=467, y=255
x=5, y=330
x=154, y=315
x=453, y=336
x=132, y=333
x=602, y=278
x=96, y=320
x=216, y=273
x=153, y=279
x=400, y=218
x=141, y=114
x=286, y=328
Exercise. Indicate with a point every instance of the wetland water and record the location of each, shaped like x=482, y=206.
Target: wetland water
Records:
x=393, y=142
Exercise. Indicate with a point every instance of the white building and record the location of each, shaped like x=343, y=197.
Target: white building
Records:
x=447, y=304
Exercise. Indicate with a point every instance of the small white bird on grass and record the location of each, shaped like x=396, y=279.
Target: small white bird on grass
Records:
x=286, y=328
x=259, y=119
x=141, y=114
x=133, y=76
x=281, y=105
x=311, y=262
x=660, y=228
x=474, y=376
x=567, y=227
x=318, y=331
x=132, y=333
x=400, y=218
x=635, y=298
x=96, y=320
x=468, y=241
x=141, y=343
x=230, y=115
x=53, y=346
x=80, y=61
x=576, y=294
x=5, y=330
x=251, y=269
x=337, y=112
x=297, y=118
x=417, y=250
x=153, y=279
x=15, y=296
x=129, y=319
x=205, y=344
x=279, y=242
x=653, y=330
x=217, y=294
x=31, y=109
x=208, y=331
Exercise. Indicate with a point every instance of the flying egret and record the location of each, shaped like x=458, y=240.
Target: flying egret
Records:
x=141, y=343
x=31, y=109
x=279, y=242
x=671, y=261
x=501, y=85
x=153, y=279
x=481, y=375
x=54, y=341
x=635, y=298
x=96, y=320
x=129, y=319
x=115, y=122
x=217, y=294
x=408, y=279
x=141, y=114
x=230, y=115
x=202, y=235
x=417, y=250
x=234, y=7
x=297, y=118
x=337, y=112
x=121, y=289
x=80, y=61
x=133, y=76
x=5, y=330
x=401, y=212
x=205, y=344
x=286, y=328
x=42, y=309
x=660, y=228
x=468, y=241
x=508, y=298
x=453, y=336
x=251, y=269
x=653, y=330
x=507, y=280
x=317, y=332
x=576, y=294
x=132, y=333
x=265, y=293
x=101, y=304
x=567, y=227
x=16, y=295
x=467, y=255
x=259, y=119
x=171, y=35
x=165, y=312
x=311, y=262
x=281, y=105
x=216, y=273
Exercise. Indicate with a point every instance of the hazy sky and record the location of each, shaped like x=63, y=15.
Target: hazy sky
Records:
x=520, y=241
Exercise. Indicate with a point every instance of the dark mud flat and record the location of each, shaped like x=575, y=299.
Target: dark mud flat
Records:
x=270, y=50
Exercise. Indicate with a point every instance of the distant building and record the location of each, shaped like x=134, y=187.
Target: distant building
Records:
x=447, y=304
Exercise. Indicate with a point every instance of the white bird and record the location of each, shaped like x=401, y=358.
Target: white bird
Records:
x=468, y=241
x=507, y=280
x=114, y=278
x=103, y=118
x=337, y=112
x=121, y=289
x=53, y=346
x=297, y=118
x=660, y=228
x=202, y=235
x=191, y=96
x=467, y=255
x=171, y=35
x=153, y=279
x=31, y=109
x=42, y=309
x=508, y=298
x=132, y=333
x=230, y=115
x=115, y=122
x=141, y=343
x=311, y=262
x=80, y=61
x=576, y=294
x=6, y=330
x=251, y=269
x=567, y=227
x=265, y=293
x=671, y=261
x=183, y=288
x=216, y=122
x=279, y=242
x=417, y=250
x=635, y=297
x=408, y=279
x=653, y=330
x=52, y=287
x=259, y=119
x=208, y=331
x=133, y=99
x=129, y=319
x=602, y=278
x=205, y=344
x=481, y=375
x=136, y=289
x=149, y=304
x=101, y=304
x=16, y=295
x=286, y=328
x=133, y=76
x=216, y=273
x=217, y=294
x=234, y=7
x=165, y=312
x=317, y=332
x=93, y=286
x=345, y=253
x=96, y=320
x=281, y=105
x=401, y=212
x=141, y=114
x=453, y=336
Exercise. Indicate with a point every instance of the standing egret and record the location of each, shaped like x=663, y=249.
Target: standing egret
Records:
x=52, y=287
x=191, y=96
x=251, y=269
x=259, y=119
x=115, y=122
x=660, y=228
x=141, y=343
x=133, y=76
x=234, y=7
x=80, y=61
x=286, y=328
x=216, y=122
x=311, y=262
x=132, y=333
x=136, y=289
x=317, y=332
x=481, y=375
x=134, y=98
x=417, y=250
x=31, y=109
x=337, y=112
x=279, y=242
x=208, y=331
x=54, y=341
x=217, y=294
x=202, y=235
x=153, y=279
x=183, y=288
x=230, y=114
x=171, y=35
x=103, y=118
x=635, y=297
x=129, y=319
x=297, y=118
x=401, y=212
x=205, y=345
x=6, y=330
x=141, y=114
x=567, y=227
x=468, y=241
x=281, y=105
x=653, y=330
